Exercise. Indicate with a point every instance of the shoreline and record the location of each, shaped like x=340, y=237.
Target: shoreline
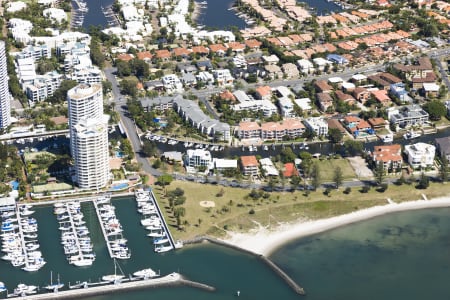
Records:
x=265, y=241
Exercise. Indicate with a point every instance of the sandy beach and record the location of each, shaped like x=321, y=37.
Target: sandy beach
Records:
x=265, y=241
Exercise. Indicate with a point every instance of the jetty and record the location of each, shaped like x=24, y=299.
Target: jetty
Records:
x=289, y=281
x=102, y=226
x=173, y=279
x=163, y=221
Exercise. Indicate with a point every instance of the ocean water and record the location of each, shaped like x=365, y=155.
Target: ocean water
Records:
x=398, y=256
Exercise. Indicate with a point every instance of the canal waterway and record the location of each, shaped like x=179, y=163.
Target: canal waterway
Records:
x=95, y=16
x=323, y=148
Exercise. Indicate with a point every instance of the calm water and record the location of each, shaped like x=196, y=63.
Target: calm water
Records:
x=217, y=15
x=399, y=256
x=95, y=15
x=321, y=7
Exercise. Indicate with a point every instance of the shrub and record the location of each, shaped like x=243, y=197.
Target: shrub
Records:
x=347, y=190
x=251, y=212
x=365, y=189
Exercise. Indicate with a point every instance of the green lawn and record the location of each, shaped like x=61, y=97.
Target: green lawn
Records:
x=51, y=187
x=231, y=211
x=327, y=168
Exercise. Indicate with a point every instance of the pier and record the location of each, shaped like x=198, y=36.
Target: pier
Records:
x=292, y=284
x=173, y=279
x=74, y=230
x=163, y=221
x=21, y=236
x=108, y=244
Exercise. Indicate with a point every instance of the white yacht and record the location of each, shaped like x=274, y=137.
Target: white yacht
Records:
x=145, y=273
x=411, y=135
x=23, y=289
x=114, y=277
x=2, y=287
x=162, y=248
x=54, y=286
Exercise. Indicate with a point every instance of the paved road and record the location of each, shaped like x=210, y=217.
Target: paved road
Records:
x=128, y=123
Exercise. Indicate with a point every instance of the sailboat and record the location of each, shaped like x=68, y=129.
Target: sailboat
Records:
x=114, y=277
x=54, y=286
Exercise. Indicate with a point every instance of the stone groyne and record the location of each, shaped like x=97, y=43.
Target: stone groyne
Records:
x=297, y=288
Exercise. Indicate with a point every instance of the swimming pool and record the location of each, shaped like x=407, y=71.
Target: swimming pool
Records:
x=118, y=187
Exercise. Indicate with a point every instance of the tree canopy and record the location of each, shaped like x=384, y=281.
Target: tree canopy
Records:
x=436, y=109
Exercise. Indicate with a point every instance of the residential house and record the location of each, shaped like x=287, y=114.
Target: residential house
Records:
x=322, y=86
x=337, y=59
x=381, y=96
x=197, y=158
x=398, y=90
x=204, y=65
x=163, y=55
x=304, y=104
x=430, y=90
x=161, y=103
x=347, y=98
x=306, y=66
x=253, y=44
x=273, y=71
x=289, y=170
x=357, y=126
x=290, y=70
x=318, y=125
x=286, y=107
x=361, y=94
x=268, y=167
x=322, y=63
x=172, y=83
x=443, y=147
x=408, y=115
x=288, y=128
x=420, y=155
x=270, y=59
x=388, y=155
x=263, y=92
x=377, y=123
x=222, y=164
x=227, y=96
x=218, y=49
x=223, y=77
x=249, y=165
x=335, y=124
x=325, y=101
x=249, y=130
x=267, y=107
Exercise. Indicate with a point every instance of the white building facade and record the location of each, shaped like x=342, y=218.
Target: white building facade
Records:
x=5, y=104
x=91, y=155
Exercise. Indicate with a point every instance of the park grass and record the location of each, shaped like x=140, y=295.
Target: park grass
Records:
x=280, y=207
x=52, y=187
x=327, y=167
